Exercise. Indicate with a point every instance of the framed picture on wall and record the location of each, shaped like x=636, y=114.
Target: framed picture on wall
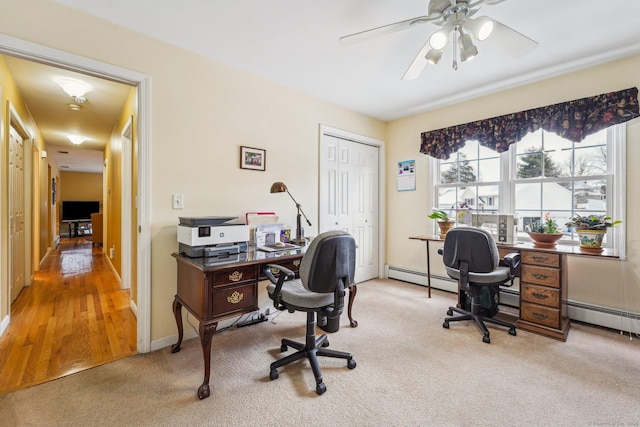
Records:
x=253, y=158
x=53, y=191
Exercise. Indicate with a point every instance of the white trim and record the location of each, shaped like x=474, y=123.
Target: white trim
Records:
x=125, y=231
x=57, y=58
x=617, y=203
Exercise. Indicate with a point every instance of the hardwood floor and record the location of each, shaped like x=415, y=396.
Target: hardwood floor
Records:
x=73, y=317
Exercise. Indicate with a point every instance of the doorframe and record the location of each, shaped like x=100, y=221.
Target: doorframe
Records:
x=326, y=130
x=57, y=58
x=125, y=231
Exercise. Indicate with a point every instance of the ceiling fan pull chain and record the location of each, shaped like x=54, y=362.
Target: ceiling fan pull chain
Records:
x=454, y=45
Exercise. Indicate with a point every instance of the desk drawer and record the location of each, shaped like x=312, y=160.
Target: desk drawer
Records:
x=234, y=275
x=540, y=275
x=541, y=258
x=540, y=315
x=540, y=295
x=293, y=265
x=229, y=299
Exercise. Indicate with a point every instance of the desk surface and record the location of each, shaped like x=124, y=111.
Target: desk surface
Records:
x=251, y=257
x=559, y=249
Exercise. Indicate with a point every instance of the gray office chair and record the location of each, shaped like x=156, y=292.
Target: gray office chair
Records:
x=470, y=255
x=326, y=271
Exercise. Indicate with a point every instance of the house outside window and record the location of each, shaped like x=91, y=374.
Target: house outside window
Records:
x=541, y=177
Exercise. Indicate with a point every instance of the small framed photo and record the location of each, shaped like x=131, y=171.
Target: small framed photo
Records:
x=253, y=158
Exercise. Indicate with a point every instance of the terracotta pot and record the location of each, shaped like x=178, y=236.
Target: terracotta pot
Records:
x=544, y=239
x=445, y=226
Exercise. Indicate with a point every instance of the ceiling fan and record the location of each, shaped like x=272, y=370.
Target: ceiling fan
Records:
x=455, y=17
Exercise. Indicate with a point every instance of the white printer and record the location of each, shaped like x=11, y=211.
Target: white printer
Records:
x=211, y=236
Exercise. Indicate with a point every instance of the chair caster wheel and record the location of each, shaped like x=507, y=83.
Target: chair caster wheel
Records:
x=273, y=375
x=325, y=343
x=445, y=325
x=486, y=339
x=351, y=363
x=321, y=388
x=283, y=348
x=512, y=331
x=449, y=312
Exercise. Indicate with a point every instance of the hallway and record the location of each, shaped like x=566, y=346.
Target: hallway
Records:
x=73, y=317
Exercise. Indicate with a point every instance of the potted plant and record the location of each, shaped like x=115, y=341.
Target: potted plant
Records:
x=591, y=229
x=545, y=233
x=444, y=222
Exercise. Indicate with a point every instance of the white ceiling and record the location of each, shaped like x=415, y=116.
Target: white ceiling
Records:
x=295, y=43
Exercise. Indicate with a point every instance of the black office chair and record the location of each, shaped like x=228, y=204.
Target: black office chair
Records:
x=326, y=271
x=471, y=256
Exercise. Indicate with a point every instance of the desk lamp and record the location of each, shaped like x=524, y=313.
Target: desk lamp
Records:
x=279, y=187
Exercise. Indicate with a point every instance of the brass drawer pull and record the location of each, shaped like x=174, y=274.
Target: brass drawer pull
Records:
x=540, y=276
x=539, y=295
x=235, y=297
x=296, y=263
x=539, y=315
x=540, y=258
x=236, y=276
x=274, y=271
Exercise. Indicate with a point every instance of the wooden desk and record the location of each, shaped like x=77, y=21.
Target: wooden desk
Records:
x=216, y=288
x=543, y=284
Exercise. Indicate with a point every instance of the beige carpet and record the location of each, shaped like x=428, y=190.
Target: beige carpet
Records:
x=410, y=372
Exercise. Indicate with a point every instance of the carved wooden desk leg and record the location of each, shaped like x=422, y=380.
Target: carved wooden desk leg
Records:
x=177, y=312
x=353, y=290
x=206, y=334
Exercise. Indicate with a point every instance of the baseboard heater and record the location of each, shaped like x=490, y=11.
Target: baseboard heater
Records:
x=588, y=313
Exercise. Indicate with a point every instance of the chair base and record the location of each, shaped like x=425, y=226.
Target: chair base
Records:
x=478, y=320
x=311, y=349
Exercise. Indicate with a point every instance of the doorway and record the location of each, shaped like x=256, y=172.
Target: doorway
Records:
x=37, y=53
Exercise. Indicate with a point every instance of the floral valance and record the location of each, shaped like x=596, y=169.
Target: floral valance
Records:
x=572, y=120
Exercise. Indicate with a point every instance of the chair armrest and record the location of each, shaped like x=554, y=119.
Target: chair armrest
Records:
x=511, y=260
x=285, y=275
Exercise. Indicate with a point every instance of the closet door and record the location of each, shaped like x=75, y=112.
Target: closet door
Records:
x=349, y=197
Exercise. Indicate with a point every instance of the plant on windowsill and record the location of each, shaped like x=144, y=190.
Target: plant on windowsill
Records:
x=444, y=222
x=545, y=233
x=591, y=229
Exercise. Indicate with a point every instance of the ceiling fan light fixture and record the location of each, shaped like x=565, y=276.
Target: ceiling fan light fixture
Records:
x=468, y=50
x=433, y=56
x=76, y=89
x=440, y=38
x=481, y=28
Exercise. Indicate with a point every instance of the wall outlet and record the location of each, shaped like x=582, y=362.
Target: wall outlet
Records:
x=178, y=201
x=112, y=252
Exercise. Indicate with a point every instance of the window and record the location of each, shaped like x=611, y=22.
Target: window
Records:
x=542, y=176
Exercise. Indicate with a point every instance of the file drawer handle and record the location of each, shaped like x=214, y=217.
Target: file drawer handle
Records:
x=235, y=297
x=296, y=263
x=540, y=276
x=236, y=276
x=540, y=258
x=539, y=315
x=539, y=295
x=274, y=271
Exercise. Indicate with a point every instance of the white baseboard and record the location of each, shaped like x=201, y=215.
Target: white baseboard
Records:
x=4, y=325
x=582, y=312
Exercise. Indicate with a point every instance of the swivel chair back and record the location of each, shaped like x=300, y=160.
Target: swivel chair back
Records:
x=326, y=271
x=470, y=255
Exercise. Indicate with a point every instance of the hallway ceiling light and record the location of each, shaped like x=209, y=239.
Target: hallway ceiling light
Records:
x=76, y=139
x=76, y=89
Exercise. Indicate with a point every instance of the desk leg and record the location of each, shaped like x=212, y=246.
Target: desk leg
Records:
x=353, y=290
x=206, y=333
x=428, y=272
x=177, y=312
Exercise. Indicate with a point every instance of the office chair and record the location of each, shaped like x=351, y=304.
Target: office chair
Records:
x=470, y=255
x=326, y=271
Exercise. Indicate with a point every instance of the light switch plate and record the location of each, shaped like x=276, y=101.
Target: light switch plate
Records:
x=178, y=201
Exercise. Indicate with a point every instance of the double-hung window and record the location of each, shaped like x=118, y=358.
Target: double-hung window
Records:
x=543, y=176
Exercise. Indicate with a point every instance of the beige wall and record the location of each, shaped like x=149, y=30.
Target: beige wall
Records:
x=81, y=186
x=202, y=112
x=593, y=281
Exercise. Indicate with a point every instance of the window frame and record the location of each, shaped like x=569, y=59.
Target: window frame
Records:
x=615, y=179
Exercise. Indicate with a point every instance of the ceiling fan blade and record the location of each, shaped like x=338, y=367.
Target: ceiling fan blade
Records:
x=385, y=29
x=510, y=41
x=418, y=64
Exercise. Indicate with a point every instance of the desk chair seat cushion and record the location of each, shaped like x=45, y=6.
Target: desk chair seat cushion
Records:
x=294, y=293
x=499, y=275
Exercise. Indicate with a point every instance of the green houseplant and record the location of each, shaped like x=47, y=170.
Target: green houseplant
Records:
x=545, y=233
x=445, y=223
x=591, y=229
